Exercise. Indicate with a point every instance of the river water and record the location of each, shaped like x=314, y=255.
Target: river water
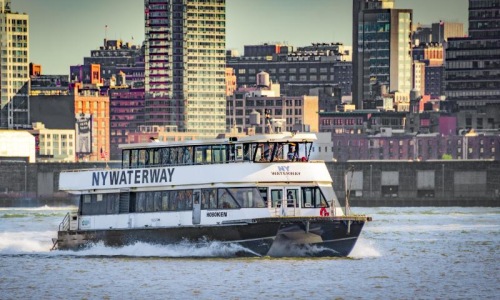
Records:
x=405, y=253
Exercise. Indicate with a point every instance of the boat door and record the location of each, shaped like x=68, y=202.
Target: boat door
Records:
x=196, y=207
x=285, y=200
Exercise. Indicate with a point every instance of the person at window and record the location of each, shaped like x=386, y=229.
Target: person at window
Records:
x=290, y=199
x=292, y=152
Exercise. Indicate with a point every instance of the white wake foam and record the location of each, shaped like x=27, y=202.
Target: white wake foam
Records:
x=140, y=249
x=364, y=248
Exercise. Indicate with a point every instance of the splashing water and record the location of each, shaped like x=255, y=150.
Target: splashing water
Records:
x=180, y=250
x=364, y=248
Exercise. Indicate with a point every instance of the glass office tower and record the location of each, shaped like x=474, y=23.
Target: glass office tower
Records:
x=381, y=49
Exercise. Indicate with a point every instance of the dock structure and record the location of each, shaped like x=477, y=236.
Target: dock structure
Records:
x=370, y=183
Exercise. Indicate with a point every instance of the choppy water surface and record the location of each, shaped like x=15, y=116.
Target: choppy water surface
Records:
x=405, y=253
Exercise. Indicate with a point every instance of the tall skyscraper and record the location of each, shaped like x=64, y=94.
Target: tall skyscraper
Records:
x=14, y=68
x=185, y=65
x=381, y=48
x=472, y=70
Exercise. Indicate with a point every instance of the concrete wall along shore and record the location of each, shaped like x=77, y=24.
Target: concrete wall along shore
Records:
x=371, y=183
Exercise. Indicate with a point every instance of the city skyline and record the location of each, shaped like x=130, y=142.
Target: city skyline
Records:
x=56, y=43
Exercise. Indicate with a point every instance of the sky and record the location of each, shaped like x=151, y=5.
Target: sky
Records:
x=63, y=32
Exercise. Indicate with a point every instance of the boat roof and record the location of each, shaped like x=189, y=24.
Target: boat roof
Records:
x=285, y=137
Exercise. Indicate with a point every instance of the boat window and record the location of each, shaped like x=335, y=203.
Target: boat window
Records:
x=268, y=151
x=293, y=152
x=219, y=154
x=276, y=197
x=164, y=156
x=140, y=202
x=173, y=200
x=187, y=156
x=291, y=196
x=149, y=201
x=247, y=152
x=98, y=197
x=164, y=201
x=173, y=156
x=203, y=155
x=184, y=200
x=263, y=194
x=148, y=157
x=134, y=154
x=180, y=200
x=113, y=202
x=278, y=152
x=143, y=155
x=320, y=199
x=86, y=198
x=208, y=199
x=180, y=155
x=225, y=200
x=91, y=206
x=258, y=149
x=313, y=198
x=132, y=202
x=126, y=158
x=247, y=197
x=230, y=152
x=239, y=152
x=155, y=157
x=308, y=197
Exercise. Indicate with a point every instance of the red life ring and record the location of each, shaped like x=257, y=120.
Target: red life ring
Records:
x=323, y=212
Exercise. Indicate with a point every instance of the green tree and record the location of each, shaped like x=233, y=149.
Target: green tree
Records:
x=447, y=157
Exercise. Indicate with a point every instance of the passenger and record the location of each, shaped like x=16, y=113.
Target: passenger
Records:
x=291, y=152
x=290, y=199
x=213, y=200
x=203, y=201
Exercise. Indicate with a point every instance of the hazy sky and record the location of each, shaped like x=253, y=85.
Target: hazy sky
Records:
x=62, y=32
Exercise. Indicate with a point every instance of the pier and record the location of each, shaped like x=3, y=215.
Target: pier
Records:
x=367, y=183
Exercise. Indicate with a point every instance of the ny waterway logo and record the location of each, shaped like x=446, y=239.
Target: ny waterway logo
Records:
x=128, y=177
x=284, y=170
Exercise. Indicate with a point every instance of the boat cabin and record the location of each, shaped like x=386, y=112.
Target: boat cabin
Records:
x=256, y=149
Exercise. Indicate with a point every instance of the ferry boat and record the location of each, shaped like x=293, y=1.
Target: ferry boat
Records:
x=261, y=192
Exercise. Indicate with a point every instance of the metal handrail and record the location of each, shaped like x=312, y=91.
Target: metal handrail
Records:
x=64, y=226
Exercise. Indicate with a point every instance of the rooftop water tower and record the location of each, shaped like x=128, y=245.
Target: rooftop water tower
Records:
x=263, y=79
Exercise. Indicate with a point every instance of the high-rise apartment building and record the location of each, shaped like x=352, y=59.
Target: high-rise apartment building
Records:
x=381, y=48
x=472, y=70
x=14, y=68
x=185, y=65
